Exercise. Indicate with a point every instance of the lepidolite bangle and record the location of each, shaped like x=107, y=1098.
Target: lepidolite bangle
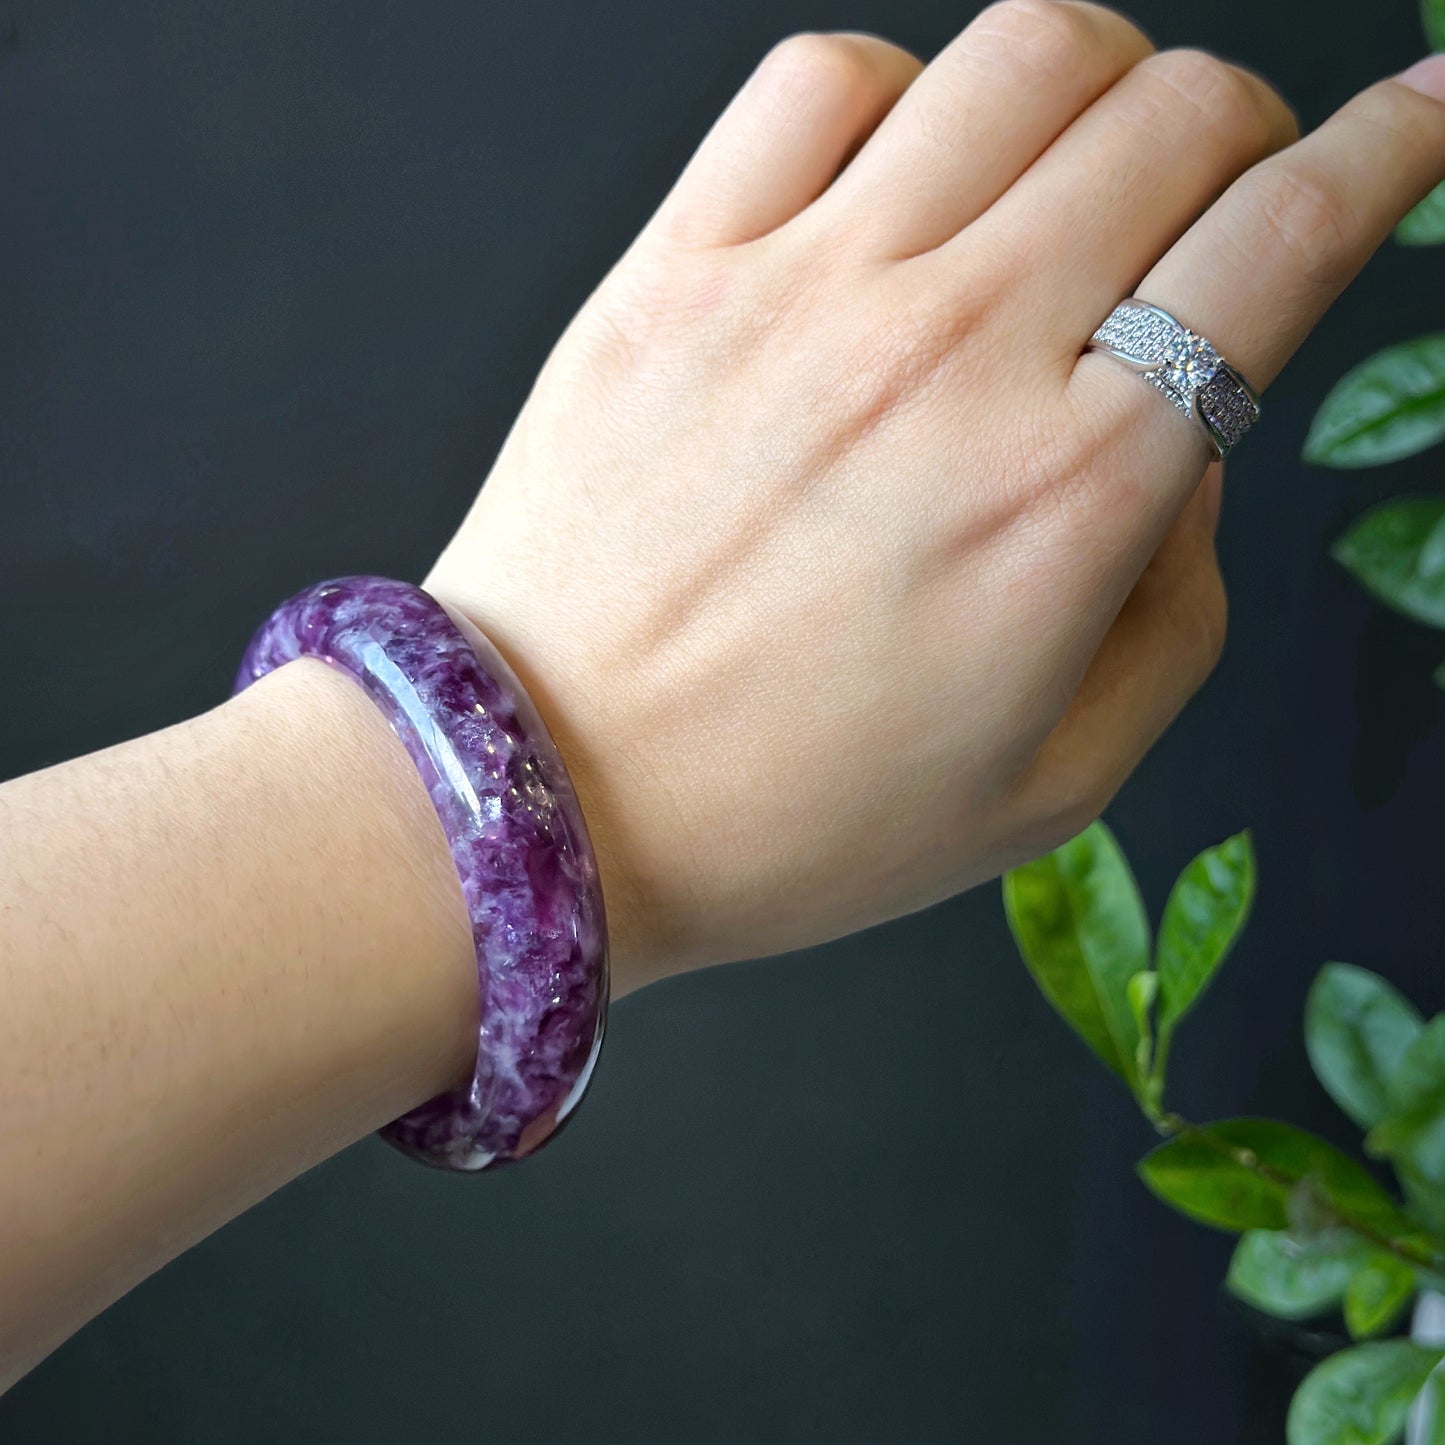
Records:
x=518, y=839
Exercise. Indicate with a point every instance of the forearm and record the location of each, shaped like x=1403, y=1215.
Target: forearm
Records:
x=227, y=950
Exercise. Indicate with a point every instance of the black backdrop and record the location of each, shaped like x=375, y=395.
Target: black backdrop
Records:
x=275, y=278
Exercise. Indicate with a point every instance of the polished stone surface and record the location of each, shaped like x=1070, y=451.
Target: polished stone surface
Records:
x=518, y=840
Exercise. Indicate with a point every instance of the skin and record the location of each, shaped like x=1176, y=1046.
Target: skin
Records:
x=842, y=579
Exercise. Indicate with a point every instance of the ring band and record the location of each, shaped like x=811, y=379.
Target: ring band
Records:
x=1184, y=366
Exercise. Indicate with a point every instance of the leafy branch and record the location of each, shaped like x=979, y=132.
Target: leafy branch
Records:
x=1389, y=407
x=1318, y=1231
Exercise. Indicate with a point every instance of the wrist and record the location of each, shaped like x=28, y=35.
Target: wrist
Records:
x=255, y=952
x=354, y=844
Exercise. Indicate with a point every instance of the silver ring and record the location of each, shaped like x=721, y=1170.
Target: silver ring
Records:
x=1184, y=366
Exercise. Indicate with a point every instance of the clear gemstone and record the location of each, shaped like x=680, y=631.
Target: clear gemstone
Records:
x=1189, y=362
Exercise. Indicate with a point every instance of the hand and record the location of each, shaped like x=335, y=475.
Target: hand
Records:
x=843, y=580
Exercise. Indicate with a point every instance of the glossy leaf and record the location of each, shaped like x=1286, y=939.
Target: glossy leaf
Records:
x=1378, y=1290
x=1357, y=1028
x=1294, y=1278
x=1426, y=1201
x=1080, y=925
x=1388, y=407
x=1425, y=225
x=1432, y=17
x=1245, y=1173
x=1413, y=1130
x=1432, y=1408
x=1396, y=552
x=1205, y=912
x=1360, y=1396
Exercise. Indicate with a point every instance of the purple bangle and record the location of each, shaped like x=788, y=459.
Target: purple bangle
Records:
x=518, y=839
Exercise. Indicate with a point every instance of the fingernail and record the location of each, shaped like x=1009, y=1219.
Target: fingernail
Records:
x=1427, y=76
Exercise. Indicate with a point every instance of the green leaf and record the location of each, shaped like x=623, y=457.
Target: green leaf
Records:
x=1396, y=551
x=1432, y=16
x=1425, y=1201
x=1413, y=1129
x=1357, y=1028
x=1294, y=1277
x=1360, y=1396
x=1378, y=1290
x=1432, y=1425
x=1260, y=1174
x=1080, y=925
x=1205, y=912
x=1425, y=225
x=1388, y=407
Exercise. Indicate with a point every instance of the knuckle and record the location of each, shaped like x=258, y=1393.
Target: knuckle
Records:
x=1257, y=107
x=1279, y=114
x=1402, y=123
x=1305, y=219
x=812, y=61
x=1210, y=89
x=1213, y=626
x=1398, y=107
x=1112, y=23
x=1078, y=800
x=1216, y=609
x=1036, y=35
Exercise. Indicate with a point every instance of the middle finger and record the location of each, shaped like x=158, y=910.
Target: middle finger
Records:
x=1125, y=181
x=984, y=109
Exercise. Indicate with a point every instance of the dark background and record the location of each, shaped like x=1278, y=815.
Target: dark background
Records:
x=276, y=277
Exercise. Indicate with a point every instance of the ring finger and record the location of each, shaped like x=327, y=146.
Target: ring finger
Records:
x=1260, y=268
x=1254, y=274
x=1126, y=180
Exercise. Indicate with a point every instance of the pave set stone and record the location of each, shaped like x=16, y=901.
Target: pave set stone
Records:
x=1183, y=366
x=1225, y=403
x=1137, y=331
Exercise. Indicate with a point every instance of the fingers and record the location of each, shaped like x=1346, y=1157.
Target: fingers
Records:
x=980, y=114
x=1254, y=275
x=1162, y=646
x=1260, y=268
x=1126, y=180
x=810, y=103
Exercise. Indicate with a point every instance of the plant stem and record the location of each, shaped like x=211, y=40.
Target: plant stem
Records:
x=1155, y=1081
